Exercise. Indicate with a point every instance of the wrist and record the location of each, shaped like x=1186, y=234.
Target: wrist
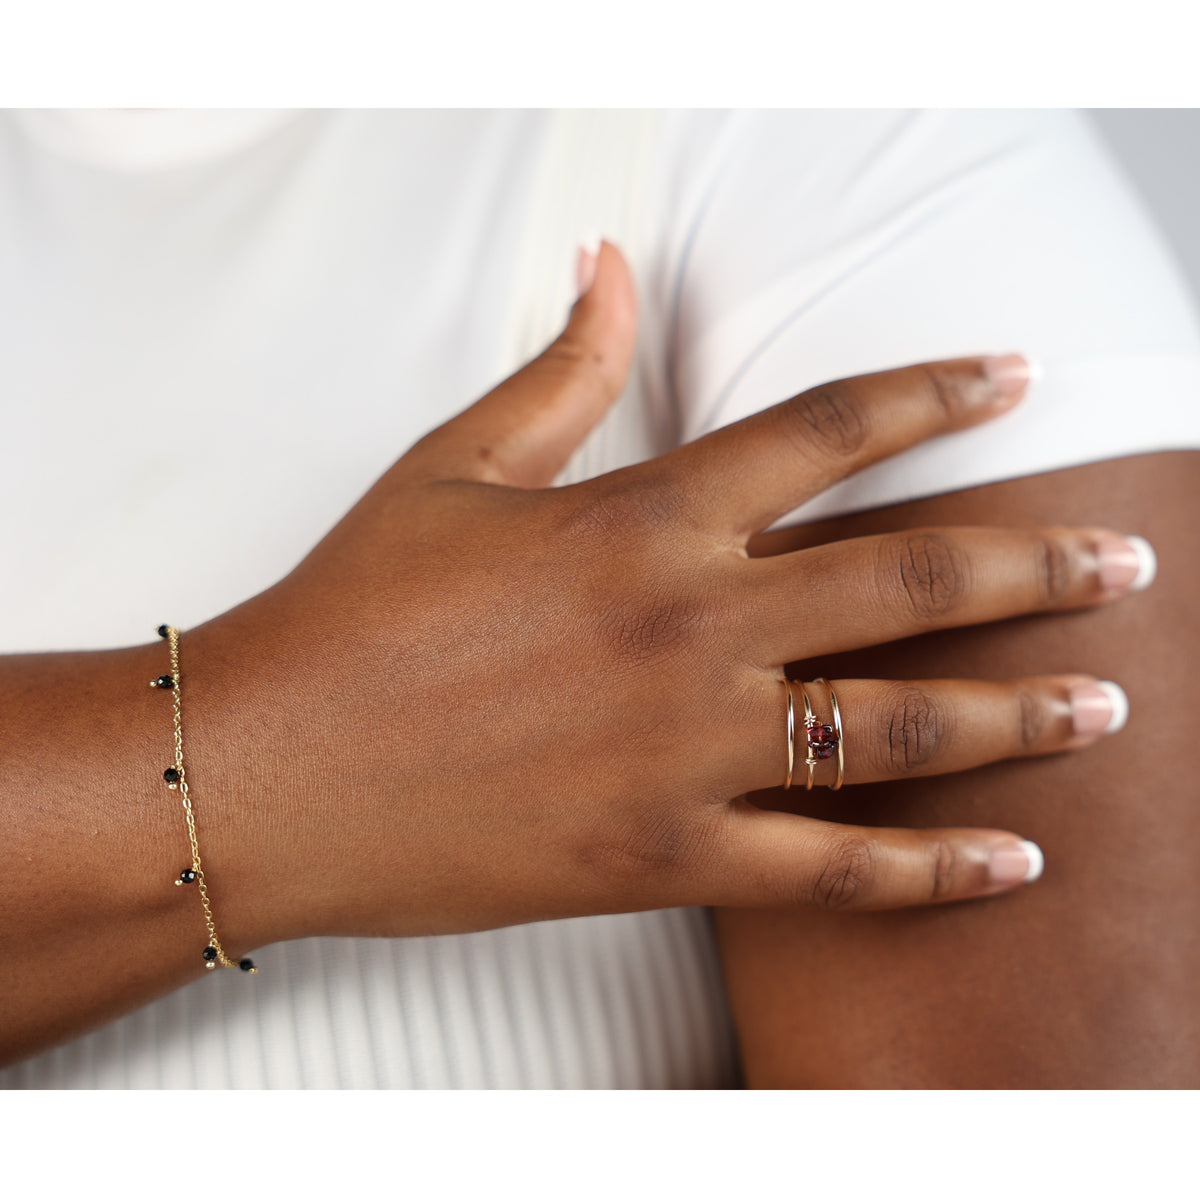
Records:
x=239, y=792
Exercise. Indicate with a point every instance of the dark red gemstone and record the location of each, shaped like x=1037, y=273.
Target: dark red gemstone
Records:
x=824, y=750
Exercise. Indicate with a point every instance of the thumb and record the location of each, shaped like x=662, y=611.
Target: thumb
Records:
x=525, y=429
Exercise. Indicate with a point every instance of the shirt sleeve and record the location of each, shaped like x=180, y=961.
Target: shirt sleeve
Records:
x=814, y=245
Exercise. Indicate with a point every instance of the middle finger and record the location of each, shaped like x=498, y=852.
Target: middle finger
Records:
x=865, y=591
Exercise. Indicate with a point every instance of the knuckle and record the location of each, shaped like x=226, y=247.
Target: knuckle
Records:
x=945, y=870
x=932, y=573
x=831, y=418
x=601, y=516
x=638, y=598
x=569, y=361
x=1053, y=570
x=659, y=843
x=569, y=355
x=642, y=629
x=1031, y=719
x=846, y=876
x=631, y=505
x=916, y=729
x=940, y=390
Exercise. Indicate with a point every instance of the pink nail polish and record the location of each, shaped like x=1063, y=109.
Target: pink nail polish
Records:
x=1009, y=374
x=1125, y=564
x=1098, y=709
x=1022, y=863
x=585, y=263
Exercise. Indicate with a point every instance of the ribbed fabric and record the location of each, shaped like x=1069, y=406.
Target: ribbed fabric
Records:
x=630, y=1001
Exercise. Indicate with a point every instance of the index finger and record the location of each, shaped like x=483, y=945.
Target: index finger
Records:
x=741, y=478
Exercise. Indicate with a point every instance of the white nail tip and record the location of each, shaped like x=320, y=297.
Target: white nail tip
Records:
x=591, y=242
x=1037, y=861
x=1036, y=370
x=1120, y=705
x=1147, y=562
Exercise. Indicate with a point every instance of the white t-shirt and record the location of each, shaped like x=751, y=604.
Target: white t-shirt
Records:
x=217, y=329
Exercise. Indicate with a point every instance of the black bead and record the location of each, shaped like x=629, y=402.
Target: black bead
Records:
x=210, y=952
x=165, y=681
x=246, y=964
x=188, y=876
x=171, y=775
x=163, y=630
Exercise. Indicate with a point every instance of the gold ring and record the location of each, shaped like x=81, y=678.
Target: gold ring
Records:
x=810, y=722
x=823, y=740
x=837, y=732
x=791, y=732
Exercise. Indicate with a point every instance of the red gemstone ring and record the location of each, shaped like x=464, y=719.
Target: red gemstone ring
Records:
x=824, y=741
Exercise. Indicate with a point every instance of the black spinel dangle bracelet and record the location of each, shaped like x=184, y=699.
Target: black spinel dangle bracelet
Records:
x=213, y=954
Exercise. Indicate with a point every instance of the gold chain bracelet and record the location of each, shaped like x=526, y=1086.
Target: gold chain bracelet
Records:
x=176, y=779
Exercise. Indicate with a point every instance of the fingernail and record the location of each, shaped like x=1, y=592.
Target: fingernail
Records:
x=1125, y=564
x=1098, y=709
x=585, y=262
x=1009, y=374
x=1021, y=863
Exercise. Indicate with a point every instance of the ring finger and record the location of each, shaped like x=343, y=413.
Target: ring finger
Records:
x=895, y=730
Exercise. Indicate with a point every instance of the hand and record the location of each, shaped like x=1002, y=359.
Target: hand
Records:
x=483, y=700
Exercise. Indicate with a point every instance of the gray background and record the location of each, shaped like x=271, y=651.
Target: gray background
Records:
x=1160, y=149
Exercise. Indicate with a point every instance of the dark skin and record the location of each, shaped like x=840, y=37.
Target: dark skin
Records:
x=461, y=709
x=1088, y=980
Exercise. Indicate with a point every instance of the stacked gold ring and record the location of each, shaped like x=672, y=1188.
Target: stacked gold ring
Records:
x=830, y=736
x=791, y=732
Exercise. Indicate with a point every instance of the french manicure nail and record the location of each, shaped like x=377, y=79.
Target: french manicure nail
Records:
x=585, y=262
x=1021, y=863
x=1036, y=859
x=1098, y=709
x=1008, y=374
x=1125, y=564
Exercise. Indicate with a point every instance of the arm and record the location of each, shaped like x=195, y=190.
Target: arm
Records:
x=464, y=708
x=90, y=838
x=1087, y=980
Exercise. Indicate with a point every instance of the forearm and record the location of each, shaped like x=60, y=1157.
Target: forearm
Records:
x=1088, y=978
x=91, y=838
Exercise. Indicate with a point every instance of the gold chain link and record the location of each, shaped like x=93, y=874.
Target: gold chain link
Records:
x=181, y=785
